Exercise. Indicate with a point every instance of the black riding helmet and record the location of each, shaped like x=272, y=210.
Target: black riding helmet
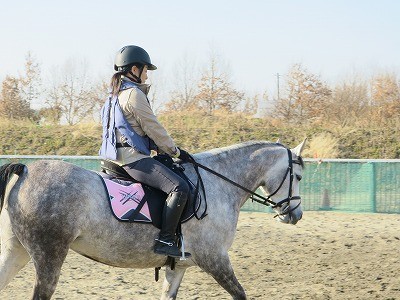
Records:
x=131, y=55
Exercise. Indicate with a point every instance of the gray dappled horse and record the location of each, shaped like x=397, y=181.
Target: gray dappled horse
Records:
x=53, y=206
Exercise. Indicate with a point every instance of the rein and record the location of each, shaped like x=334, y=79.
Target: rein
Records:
x=264, y=200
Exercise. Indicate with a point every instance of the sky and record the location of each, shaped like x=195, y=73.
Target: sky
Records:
x=255, y=39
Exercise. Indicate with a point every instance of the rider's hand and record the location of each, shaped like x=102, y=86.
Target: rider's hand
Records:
x=185, y=156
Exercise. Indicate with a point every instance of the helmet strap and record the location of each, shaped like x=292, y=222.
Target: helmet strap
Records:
x=137, y=78
x=140, y=73
x=134, y=77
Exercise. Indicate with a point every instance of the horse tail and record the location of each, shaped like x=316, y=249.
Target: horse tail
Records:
x=5, y=174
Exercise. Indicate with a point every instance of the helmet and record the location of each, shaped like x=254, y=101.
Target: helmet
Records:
x=131, y=54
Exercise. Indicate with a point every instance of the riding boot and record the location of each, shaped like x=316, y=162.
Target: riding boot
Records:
x=166, y=242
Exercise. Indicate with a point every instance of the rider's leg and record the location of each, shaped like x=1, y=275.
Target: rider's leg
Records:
x=165, y=244
x=153, y=173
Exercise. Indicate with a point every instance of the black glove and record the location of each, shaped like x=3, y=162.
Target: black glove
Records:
x=185, y=156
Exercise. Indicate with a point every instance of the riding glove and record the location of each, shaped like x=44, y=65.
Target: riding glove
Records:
x=185, y=156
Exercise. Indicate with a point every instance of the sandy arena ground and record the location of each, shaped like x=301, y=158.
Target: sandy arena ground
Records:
x=328, y=255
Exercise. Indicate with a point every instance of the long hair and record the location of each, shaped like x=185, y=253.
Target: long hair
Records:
x=115, y=83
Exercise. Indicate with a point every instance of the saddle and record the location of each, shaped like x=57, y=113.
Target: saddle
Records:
x=133, y=201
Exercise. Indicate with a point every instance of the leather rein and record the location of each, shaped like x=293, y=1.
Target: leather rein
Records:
x=265, y=200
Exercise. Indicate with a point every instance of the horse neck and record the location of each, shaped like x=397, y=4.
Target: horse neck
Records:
x=245, y=164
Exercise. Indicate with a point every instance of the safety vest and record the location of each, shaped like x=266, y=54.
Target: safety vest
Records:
x=113, y=119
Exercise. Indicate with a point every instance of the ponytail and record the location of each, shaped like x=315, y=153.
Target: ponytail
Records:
x=115, y=83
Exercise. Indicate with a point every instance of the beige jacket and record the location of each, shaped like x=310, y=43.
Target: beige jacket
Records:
x=137, y=111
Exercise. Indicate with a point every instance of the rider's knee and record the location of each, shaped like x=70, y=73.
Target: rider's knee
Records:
x=183, y=187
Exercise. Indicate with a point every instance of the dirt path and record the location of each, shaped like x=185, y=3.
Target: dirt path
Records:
x=327, y=255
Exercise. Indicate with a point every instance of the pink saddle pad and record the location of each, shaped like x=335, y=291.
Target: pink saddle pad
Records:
x=125, y=199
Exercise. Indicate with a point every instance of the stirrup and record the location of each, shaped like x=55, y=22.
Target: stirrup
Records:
x=164, y=242
x=183, y=257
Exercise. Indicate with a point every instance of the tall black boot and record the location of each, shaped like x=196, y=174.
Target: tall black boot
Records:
x=165, y=244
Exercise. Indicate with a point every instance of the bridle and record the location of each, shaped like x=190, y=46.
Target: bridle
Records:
x=290, y=196
x=267, y=200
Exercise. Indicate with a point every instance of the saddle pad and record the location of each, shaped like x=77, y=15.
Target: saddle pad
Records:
x=125, y=199
x=136, y=202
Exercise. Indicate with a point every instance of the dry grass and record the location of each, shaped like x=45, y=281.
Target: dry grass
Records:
x=322, y=145
x=197, y=132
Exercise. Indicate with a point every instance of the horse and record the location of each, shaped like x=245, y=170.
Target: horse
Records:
x=51, y=206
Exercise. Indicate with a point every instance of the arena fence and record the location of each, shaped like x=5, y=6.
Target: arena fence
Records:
x=356, y=185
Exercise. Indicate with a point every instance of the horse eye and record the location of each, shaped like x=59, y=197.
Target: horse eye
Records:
x=298, y=177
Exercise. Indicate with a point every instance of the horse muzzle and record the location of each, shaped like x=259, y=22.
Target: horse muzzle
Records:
x=291, y=218
x=291, y=213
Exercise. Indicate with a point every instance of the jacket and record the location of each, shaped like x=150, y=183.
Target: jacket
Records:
x=128, y=118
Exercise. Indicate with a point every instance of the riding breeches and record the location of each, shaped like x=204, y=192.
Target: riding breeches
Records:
x=153, y=173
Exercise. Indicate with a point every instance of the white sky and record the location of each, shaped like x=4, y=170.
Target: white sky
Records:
x=257, y=39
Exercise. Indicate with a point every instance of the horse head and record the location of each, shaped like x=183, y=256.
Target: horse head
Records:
x=282, y=184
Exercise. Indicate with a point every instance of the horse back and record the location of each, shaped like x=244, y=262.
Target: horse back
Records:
x=53, y=190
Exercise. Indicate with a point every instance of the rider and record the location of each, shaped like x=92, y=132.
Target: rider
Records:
x=131, y=131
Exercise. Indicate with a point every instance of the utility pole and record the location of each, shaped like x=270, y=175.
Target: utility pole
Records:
x=277, y=81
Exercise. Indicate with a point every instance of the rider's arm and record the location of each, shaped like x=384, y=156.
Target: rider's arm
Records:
x=139, y=107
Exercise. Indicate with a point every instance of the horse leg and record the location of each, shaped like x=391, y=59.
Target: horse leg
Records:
x=172, y=281
x=47, y=264
x=13, y=255
x=12, y=259
x=48, y=245
x=220, y=268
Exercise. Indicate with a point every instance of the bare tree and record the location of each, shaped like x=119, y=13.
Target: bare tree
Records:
x=306, y=96
x=51, y=115
x=349, y=102
x=30, y=81
x=12, y=105
x=385, y=96
x=251, y=105
x=215, y=91
x=156, y=92
x=185, y=76
x=72, y=93
x=97, y=95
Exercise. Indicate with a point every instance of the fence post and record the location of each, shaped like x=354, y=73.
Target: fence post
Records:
x=373, y=187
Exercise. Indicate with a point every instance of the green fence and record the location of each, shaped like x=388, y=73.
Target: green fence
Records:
x=355, y=185
x=352, y=185
x=340, y=184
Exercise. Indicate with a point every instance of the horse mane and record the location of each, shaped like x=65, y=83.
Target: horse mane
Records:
x=213, y=153
x=218, y=151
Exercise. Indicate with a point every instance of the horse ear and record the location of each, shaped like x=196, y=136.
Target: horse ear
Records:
x=299, y=148
x=278, y=141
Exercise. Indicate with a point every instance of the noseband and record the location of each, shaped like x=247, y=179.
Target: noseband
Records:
x=267, y=200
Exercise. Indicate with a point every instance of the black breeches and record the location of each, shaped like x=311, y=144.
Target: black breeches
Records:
x=153, y=173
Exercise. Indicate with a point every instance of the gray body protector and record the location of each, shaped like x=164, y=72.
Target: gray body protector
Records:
x=113, y=119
